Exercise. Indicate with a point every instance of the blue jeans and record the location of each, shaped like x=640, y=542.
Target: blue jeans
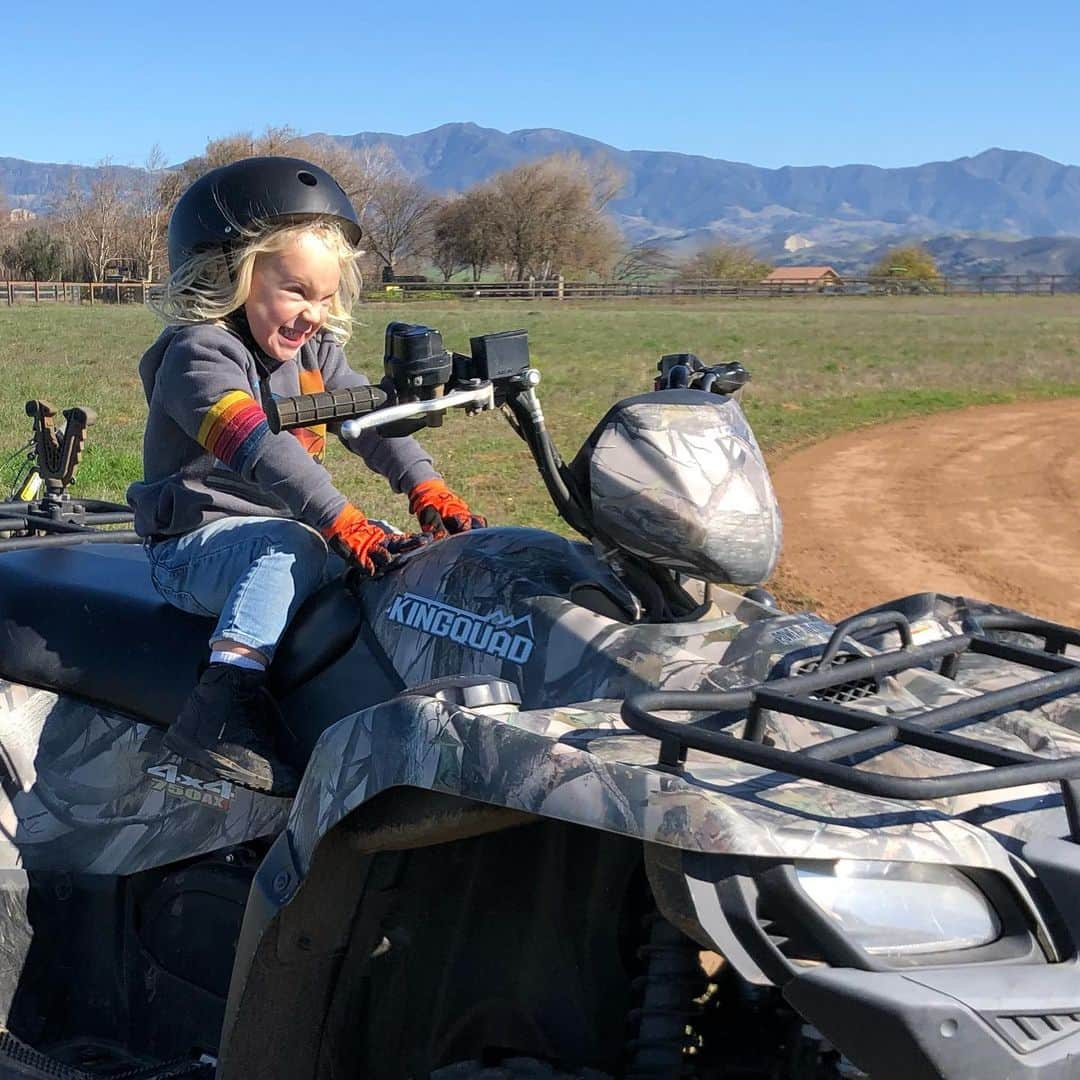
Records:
x=251, y=572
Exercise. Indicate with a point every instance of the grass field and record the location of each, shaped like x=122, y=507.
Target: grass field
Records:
x=819, y=365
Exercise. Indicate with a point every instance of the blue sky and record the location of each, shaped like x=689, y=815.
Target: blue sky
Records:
x=773, y=83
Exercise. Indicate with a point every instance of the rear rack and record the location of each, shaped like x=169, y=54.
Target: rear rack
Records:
x=792, y=697
x=62, y=522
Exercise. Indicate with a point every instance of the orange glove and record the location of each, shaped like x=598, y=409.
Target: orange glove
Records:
x=355, y=538
x=440, y=511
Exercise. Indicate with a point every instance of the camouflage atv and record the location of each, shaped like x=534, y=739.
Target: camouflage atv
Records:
x=567, y=807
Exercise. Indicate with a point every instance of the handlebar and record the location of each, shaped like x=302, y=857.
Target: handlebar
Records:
x=427, y=382
x=303, y=410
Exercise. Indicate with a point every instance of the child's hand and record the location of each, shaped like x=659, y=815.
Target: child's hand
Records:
x=440, y=511
x=355, y=538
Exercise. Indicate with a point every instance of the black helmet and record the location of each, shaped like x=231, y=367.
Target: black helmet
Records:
x=212, y=212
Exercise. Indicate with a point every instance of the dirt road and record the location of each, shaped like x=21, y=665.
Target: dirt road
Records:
x=982, y=503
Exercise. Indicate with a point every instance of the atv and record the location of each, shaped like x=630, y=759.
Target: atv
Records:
x=594, y=807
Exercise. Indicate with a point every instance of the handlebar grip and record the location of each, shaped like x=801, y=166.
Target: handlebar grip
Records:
x=327, y=406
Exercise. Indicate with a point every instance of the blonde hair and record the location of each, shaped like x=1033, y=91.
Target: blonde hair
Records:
x=212, y=285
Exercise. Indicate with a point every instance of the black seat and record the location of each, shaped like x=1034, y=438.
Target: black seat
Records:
x=86, y=620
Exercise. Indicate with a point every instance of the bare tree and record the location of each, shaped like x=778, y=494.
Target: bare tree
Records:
x=397, y=220
x=359, y=172
x=646, y=261
x=225, y=150
x=548, y=212
x=593, y=250
x=445, y=249
x=605, y=177
x=465, y=233
x=95, y=221
x=153, y=196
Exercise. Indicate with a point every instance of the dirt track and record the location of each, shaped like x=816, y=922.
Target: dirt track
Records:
x=982, y=503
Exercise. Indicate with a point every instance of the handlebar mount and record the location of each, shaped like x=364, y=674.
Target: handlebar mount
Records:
x=684, y=371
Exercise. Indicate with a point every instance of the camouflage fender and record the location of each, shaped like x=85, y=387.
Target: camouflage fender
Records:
x=579, y=762
x=581, y=765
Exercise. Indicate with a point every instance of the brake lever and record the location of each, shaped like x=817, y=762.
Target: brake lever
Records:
x=482, y=396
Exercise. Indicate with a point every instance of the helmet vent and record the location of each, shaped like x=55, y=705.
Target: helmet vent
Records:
x=306, y=178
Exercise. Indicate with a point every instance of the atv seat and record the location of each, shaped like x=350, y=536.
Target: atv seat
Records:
x=86, y=620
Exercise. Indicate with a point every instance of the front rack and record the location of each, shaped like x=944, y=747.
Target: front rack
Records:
x=793, y=696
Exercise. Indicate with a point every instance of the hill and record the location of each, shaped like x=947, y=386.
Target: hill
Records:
x=791, y=214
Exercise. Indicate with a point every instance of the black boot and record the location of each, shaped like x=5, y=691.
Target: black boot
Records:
x=222, y=727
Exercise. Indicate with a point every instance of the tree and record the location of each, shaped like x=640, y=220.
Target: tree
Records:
x=445, y=249
x=464, y=233
x=593, y=251
x=547, y=212
x=359, y=172
x=154, y=195
x=95, y=221
x=35, y=255
x=647, y=261
x=724, y=261
x=397, y=219
x=910, y=261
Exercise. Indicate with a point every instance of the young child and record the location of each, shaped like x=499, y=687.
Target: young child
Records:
x=239, y=522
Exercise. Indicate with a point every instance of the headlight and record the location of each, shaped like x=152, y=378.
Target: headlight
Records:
x=902, y=908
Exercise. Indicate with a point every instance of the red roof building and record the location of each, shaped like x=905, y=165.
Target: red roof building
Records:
x=810, y=276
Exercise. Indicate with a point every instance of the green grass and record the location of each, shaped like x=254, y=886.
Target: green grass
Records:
x=820, y=365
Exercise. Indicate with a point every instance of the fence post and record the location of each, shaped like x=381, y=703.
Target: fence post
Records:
x=560, y=290
x=10, y=292
x=142, y=293
x=90, y=285
x=37, y=291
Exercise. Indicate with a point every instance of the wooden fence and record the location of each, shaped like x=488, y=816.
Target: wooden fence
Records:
x=561, y=289
x=16, y=292
x=77, y=292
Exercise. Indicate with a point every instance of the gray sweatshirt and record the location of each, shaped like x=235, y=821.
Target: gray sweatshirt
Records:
x=208, y=451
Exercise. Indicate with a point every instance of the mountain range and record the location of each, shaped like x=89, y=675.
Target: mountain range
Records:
x=980, y=210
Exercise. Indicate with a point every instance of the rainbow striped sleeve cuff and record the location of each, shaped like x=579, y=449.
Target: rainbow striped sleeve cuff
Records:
x=232, y=428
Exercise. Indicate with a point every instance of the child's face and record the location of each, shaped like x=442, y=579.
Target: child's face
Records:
x=290, y=295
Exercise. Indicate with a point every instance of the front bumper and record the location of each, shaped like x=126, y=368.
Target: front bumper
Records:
x=1007, y=1011
x=977, y=1022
